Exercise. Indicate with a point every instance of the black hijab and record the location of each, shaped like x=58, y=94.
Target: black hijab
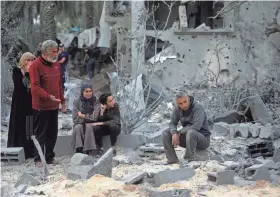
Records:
x=87, y=104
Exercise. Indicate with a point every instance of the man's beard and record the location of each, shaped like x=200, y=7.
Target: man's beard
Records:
x=52, y=60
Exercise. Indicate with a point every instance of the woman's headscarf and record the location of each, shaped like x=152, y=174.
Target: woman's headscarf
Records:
x=87, y=104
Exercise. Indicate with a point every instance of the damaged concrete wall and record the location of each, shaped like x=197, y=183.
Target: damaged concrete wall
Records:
x=244, y=56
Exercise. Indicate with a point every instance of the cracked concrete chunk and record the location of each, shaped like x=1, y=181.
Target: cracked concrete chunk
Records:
x=171, y=176
x=257, y=172
x=171, y=193
x=27, y=179
x=222, y=177
x=276, y=155
x=270, y=164
x=133, y=178
x=80, y=159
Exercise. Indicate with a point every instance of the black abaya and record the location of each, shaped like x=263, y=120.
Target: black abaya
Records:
x=21, y=116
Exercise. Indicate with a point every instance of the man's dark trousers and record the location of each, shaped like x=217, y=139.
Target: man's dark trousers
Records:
x=46, y=130
x=113, y=131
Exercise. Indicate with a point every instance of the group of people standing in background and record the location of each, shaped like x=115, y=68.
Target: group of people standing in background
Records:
x=39, y=94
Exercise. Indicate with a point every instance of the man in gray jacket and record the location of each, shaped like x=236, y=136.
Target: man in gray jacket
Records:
x=195, y=133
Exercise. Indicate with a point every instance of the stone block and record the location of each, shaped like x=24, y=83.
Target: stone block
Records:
x=63, y=146
x=243, y=130
x=222, y=177
x=132, y=141
x=270, y=164
x=221, y=129
x=276, y=155
x=27, y=179
x=133, y=178
x=257, y=172
x=14, y=155
x=79, y=159
x=171, y=176
x=259, y=111
x=171, y=193
x=152, y=147
x=103, y=166
x=255, y=129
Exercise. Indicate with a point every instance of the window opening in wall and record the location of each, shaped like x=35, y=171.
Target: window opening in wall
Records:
x=200, y=12
x=151, y=44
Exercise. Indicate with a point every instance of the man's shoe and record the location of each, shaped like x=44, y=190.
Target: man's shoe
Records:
x=52, y=162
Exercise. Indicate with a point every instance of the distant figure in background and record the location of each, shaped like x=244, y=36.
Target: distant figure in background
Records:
x=63, y=58
x=21, y=117
x=85, y=110
x=47, y=94
x=38, y=50
x=91, y=56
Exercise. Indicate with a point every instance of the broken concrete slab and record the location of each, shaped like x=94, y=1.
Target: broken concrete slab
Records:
x=257, y=172
x=155, y=137
x=27, y=179
x=276, y=155
x=270, y=164
x=171, y=176
x=231, y=165
x=221, y=129
x=13, y=155
x=222, y=177
x=171, y=193
x=259, y=111
x=152, y=147
x=103, y=166
x=21, y=189
x=79, y=159
x=230, y=117
x=133, y=178
x=63, y=146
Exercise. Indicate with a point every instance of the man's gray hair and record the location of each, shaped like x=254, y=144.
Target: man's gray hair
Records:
x=180, y=95
x=47, y=45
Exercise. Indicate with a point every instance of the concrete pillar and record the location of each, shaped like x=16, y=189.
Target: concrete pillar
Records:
x=138, y=29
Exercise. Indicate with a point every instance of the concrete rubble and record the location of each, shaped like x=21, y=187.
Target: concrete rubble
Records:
x=222, y=177
x=133, y=178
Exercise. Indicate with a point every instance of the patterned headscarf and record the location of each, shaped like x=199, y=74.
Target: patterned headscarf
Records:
x=87, y=104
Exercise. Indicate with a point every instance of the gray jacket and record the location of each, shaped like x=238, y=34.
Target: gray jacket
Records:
x=194, y=118
x=77, y=106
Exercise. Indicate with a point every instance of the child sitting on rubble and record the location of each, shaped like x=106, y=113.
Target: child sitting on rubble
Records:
x=85, y=110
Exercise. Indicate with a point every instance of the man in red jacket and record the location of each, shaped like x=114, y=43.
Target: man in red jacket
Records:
x=47, y=94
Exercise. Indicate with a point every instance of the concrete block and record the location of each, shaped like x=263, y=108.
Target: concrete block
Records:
x=243, y=129
x=171, y=193
x=231, y=165
x=276, y=155
x=263, y=148
x=103, y=166
x=14, y=155
x=171, y=176
x=152, y=147
x=222, y=177
x=133, y=178
x=63, y=146
x=266, y=132
x=132, y=141
x=79, y=159
x=259, y=111
x=254, y=129
x=257, y=172
x=270, y=164
x=27, y=179
x=221, y=129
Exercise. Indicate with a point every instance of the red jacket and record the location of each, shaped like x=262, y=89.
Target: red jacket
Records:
x=45, y=80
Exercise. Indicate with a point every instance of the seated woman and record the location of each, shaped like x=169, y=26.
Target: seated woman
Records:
x=85, y=110
x=21, y=116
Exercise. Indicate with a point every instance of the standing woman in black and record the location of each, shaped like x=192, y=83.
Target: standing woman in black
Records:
x=21, y=116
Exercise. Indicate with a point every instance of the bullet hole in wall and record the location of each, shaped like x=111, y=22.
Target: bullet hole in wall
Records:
x=208, y=49
x=184, y=56
x=189, y=49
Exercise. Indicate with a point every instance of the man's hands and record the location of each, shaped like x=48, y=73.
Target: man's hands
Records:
x=175, y=140
x=103, y=108
x=54, y=99
x=80, y=115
